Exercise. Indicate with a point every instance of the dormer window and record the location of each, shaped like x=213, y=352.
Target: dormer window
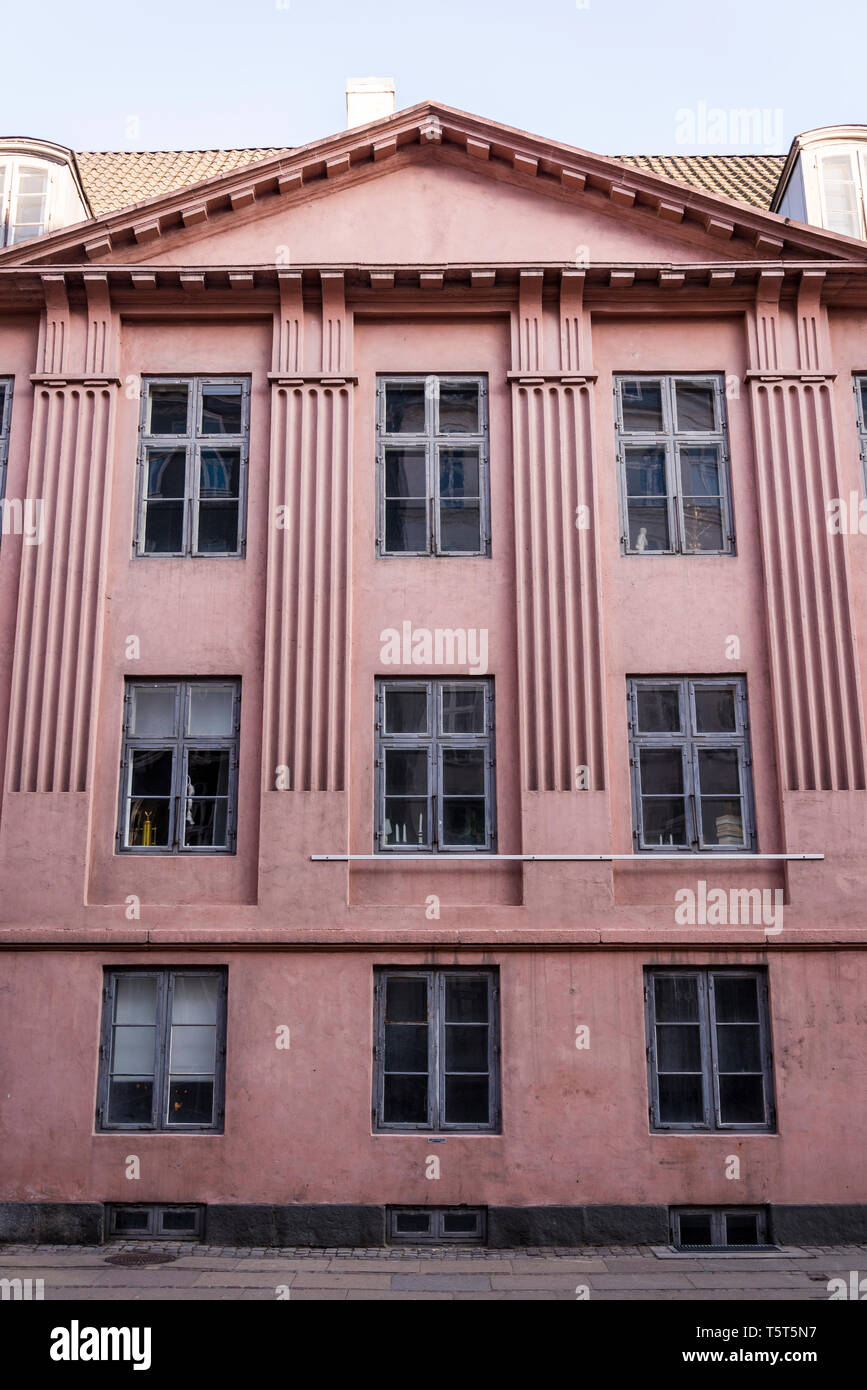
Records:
x=24, y=197
x=841, y=183
x=824, y=178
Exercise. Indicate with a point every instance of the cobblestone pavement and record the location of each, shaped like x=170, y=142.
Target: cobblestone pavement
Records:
x=81, y=1273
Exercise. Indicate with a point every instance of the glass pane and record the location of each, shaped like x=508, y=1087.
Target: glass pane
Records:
x=133, y=1051
x=164, y=528
x=152, y=771
x=676, y=998
x=130, y=1102
x=192, y=1049
x=715, y=710
x=167, y=472
x=148, y=822
x=406, y=712
x=642, y=406
x=211, y=710
x=678, y=1047
x=406, y=1000
x=460, y=526
x=179, y=1220
x=405, y=473
x=460, y=1223
x=463, y=709
x=467, y=1100
x=719, y=772
x=191, y=1102
x=219, y=473
x=406, y=821
x=153, y=711
x=31, y=183
x=459, y=473
x=194, y=999
x=742, y=1229
x=736, y=999
x=661, y=771
x=167, y=409
x=741, y=1100
x=132, y=1219
x=863, y=385
x=464, y=822
x=406, y=771
x=459, y=408
x=463, y=772
x=221, y=409
x=700, y=470
x=406, y=527
x=404, y=1099
x=680, y=1099
x=135, y=999
x=645, y=472
x=658, y=710
x=466, y=999
x=218, y=528
x=695, y=1229
x=206, y=823
x=664, y=821
x=207, y=772
x=405, y=409
x=721, y=822
x=648, y=525
x=702, y=524
x=412, y=1223
x=466, y=1048
x=738, y=1047
x=695, y=405
x=406, y=1047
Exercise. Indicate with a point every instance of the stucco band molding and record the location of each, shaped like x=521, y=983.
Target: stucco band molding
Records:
x=437, y=132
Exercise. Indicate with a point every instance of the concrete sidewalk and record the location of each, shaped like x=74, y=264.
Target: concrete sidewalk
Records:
x=190, y=1272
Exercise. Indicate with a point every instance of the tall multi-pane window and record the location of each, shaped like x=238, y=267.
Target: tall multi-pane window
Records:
x=690, y=763
x=709, y=1049
x=5, y=416
x=674, y=465
x=179, y=768
x=860, y=384
x=23, y=200
x=436, y=1049
x=163, y=1048
x=432, y=465
x=194, y=445
x=435, y=766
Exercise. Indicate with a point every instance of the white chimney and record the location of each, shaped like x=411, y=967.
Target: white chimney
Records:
x=368, y=99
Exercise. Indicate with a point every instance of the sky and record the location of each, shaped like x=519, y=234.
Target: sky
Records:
x=610, y=76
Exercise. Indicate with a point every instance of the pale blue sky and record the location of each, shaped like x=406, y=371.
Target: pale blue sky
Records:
x=609, y=77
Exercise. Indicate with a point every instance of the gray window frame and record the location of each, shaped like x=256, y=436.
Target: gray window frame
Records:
x=718, y=1226
x=192, y=442
x=6, y=383
x=435, y=1123
x=165, y=977
x=180, y=744
x=435, y=741
x=711, y=1123
x=859, y=381
x=691, y=742
x=432, y=440
x=155, y=1226
x=672, y=440
x=436, y=1235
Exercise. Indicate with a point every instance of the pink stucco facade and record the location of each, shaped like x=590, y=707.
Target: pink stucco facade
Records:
x=434, y=243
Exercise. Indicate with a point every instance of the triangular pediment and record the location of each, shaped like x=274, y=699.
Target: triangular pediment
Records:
x=433, y=186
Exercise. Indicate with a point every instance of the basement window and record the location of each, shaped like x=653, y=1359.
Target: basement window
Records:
x=436, y=1225
x=144, y=1221
x=719, y=1228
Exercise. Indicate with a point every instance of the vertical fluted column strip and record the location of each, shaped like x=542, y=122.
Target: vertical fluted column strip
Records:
x=559, y=669
x=307, y=589
x=816, y=685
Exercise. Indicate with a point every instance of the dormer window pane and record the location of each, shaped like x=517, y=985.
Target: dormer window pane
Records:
x=840, y=194
x=27, y=214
